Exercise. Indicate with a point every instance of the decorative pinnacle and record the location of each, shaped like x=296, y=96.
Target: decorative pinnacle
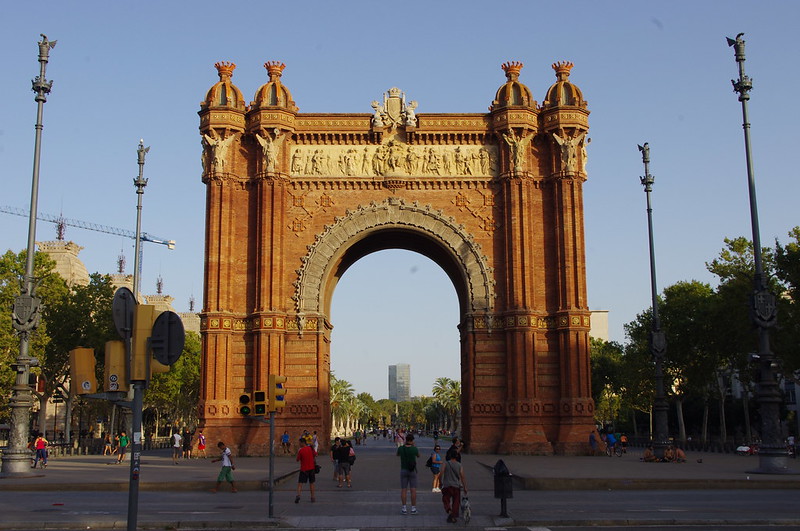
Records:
x=512, y=68
x=274, y=69
x=562, y=69
x=225, y=69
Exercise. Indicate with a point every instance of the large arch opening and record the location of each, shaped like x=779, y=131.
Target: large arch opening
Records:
x=395, y=306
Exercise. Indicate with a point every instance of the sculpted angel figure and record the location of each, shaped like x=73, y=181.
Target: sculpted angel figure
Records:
x=269, y=149
x=517, y=145
x=569, y=151
x=215, y=149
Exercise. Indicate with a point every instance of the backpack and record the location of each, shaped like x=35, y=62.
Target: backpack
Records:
x=429, y=462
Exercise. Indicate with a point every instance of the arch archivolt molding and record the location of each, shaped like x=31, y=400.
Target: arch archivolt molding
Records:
x=392, y=213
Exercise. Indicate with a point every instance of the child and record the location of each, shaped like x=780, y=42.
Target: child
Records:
x=226, y=473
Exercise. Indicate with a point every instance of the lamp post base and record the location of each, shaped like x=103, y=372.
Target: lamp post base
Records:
x=17, y=465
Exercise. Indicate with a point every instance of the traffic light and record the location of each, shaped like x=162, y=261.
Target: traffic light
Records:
x=83, y=380
x=244, y=405
x=143, y=365
x=144, y=316
x=260, y=403
x=114, y=378
x=277, y=392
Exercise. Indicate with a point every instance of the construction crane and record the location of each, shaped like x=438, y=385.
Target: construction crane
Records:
x=62, y=222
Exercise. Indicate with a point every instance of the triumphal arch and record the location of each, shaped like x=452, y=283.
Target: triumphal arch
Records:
x=496, y=199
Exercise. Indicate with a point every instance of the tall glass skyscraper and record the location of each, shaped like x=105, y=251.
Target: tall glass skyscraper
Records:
x=400, y=382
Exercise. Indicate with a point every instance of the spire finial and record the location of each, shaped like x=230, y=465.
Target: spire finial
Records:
x=274, y=69
x=512, y=68
x=225, y=69
x=562, y=69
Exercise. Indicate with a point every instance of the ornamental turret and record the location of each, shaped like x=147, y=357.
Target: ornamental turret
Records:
x=565, y=120
x=221, y=120
x=272, y=105
x=515, y=119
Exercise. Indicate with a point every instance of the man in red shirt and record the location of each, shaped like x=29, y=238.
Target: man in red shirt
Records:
x=307, y=457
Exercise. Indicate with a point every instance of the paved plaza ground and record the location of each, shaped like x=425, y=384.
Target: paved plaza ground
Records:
x=90, y=491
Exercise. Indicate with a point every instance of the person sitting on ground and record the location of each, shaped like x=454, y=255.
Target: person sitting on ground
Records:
x=649, y=456
x=669, y=454
x=680, y=455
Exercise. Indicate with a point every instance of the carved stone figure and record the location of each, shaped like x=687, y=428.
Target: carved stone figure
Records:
x=569, y=151
x=216, y=148
x=411, y=117
x=269, y=149
x=517, y=145
x=377, y=118
x=485, y=161
x=297, y=162
x=583, y=154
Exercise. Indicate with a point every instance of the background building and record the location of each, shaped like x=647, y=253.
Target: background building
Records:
x=400, y=382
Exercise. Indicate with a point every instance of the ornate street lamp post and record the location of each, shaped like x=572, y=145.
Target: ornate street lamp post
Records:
x=16, y=457
x=772, y=454
x=658, y=342
x=140, y=182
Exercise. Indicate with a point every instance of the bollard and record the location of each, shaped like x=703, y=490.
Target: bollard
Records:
x=503, y=488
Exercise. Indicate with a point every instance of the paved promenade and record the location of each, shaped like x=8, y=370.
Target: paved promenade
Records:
x=49, y=499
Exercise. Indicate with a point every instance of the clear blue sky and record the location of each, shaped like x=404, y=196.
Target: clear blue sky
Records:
x=655, y=72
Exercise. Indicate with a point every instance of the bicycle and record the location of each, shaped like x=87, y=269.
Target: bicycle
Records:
x=612, y=450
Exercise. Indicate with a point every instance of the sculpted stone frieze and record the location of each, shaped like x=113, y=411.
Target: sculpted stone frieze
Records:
x=394, y=158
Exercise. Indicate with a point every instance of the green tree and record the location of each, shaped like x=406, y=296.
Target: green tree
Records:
x=79, y=318
x=607, y=384
x=447, y=392
x=174, y=395
x=787, y=270
x=50, y=288
x=690, y=364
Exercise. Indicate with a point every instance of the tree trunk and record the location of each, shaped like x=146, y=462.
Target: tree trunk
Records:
x=42, y=419
x=704, y=432
x=635, y=427
x=723, y=429
x=681, y=421
x=748, y=432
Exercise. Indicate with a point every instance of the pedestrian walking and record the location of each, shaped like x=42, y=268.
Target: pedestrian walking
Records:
x=122, y=446
x=308, y=469
x=453, y=482
x=226, y=472
x=187, y=444
x=408, y=473
x=337, y=442
x=436, y=468
x=343, y=455
x=177, y=447
x=107, y=445
x=201, y=444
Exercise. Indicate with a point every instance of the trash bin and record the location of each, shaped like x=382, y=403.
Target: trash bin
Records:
x=502, y=481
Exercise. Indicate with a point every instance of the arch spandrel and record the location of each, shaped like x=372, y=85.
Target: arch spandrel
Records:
x=333, y=242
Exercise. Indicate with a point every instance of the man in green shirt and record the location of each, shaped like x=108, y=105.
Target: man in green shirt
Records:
x=122, y=446
x=408, y=473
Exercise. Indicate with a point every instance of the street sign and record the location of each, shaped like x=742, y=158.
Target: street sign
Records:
x=122, y=311
x=167, y=338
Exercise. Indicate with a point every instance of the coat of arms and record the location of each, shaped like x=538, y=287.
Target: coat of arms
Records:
x=394, y=111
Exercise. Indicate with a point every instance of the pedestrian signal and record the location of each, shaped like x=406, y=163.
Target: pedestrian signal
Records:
x=259, y=402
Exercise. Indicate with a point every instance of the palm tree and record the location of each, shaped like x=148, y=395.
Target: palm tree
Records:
x=447, y=393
